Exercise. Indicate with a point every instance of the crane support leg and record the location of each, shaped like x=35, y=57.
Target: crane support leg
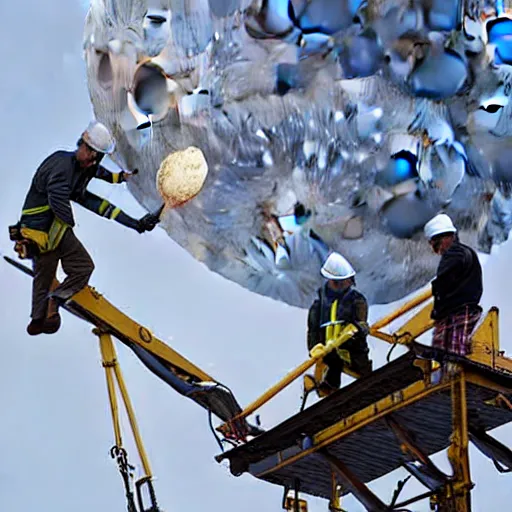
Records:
x=458, y=454
x=335, y=502
x=112, y=370
x=113, y=373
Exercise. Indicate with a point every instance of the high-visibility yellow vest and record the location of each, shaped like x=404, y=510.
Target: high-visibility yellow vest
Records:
x=45, y=241
x=333, y=330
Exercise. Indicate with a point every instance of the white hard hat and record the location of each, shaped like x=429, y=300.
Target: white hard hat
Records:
x=438, y=225
x=337, y=267
x=98, y=136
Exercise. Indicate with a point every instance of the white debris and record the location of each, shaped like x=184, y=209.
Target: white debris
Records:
x=181, y=176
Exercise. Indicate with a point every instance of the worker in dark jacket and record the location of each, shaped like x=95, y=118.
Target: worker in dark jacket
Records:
x=46, y=224
x=457, y=288
x=350, y=306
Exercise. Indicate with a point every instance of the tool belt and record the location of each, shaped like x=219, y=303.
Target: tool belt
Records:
x=30, y=243
x=25, y=248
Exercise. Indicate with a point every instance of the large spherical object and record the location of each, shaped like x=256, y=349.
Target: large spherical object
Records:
x=313, y=145
x=181, y=176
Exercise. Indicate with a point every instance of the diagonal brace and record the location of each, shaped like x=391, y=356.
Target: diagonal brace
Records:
x=353, y=484
x=420, y=465
x=500, y=454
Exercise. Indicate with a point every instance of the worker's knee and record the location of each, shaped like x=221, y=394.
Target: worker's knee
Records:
x=91, y=267
x=332, y=359
x=85, y=271
x=88, y=271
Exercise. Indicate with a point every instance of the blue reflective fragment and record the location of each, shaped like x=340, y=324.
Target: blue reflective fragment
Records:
x=498, y=28
x=324, y=16
x=445, y=15
x=504, y=49
x=403, y=169
x=425, y=80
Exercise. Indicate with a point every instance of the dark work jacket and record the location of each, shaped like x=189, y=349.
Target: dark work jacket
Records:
x=458, y=282
x=352, y=307
x=58, y=181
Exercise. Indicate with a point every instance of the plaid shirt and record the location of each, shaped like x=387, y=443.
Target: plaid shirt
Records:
x=453, y=333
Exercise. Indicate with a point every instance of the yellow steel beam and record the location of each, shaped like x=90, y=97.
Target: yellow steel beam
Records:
x=108, y=361
x=485, y=343
x=350, y=482
x=480, y=380
x=416, y=301
x=485, y=340
x=335, y=501
x=360, y=419
x=108, y=316
x=413, y=328
x=416, y=326
x=346, y=333
x=133, y=422
x=458, y=450
x=503, y=363
x=110, y=358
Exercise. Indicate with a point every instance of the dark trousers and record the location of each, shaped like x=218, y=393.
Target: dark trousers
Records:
x=76, y=263
x=360, y=361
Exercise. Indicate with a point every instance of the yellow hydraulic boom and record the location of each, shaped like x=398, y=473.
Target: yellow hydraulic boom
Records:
x=174, y=369
x=312, y=452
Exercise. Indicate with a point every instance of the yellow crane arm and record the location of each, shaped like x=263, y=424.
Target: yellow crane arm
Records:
x=163, y=361
x=96, y=309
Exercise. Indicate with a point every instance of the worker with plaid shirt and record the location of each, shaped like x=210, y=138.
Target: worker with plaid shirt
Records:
x=457, y=288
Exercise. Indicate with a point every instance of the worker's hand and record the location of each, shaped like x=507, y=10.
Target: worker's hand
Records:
x=127, y=174
x=148, y=223
x=317, y=350
x=363, y=328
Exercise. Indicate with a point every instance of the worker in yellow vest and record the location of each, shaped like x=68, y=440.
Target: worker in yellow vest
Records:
x=339, y=302
x=45, y=230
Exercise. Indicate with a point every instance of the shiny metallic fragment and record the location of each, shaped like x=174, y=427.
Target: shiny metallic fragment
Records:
x=327, y=125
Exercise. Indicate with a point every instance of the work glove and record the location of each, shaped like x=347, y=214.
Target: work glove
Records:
x=317, y=350
x=148, y=222
x=362, y=327
x=15, y=232
x=126, y=175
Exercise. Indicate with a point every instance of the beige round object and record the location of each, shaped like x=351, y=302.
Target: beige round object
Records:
x=181, y=176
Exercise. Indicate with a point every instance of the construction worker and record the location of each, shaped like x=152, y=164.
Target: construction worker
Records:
x=45, y=230
x=457, y=288
x=339, y=299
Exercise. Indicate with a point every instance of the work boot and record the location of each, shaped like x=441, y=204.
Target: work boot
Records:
x=35, y=327
x=53, y=320
x=325, y=389
x=52, y=324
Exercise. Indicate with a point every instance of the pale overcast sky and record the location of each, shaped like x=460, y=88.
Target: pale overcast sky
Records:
x=55, y=428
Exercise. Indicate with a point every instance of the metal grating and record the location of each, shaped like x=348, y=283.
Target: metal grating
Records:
x=372, y=451
x=346, y=401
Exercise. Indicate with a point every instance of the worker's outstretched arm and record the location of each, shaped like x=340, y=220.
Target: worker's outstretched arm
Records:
x=106, y=209
x=113, y=177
